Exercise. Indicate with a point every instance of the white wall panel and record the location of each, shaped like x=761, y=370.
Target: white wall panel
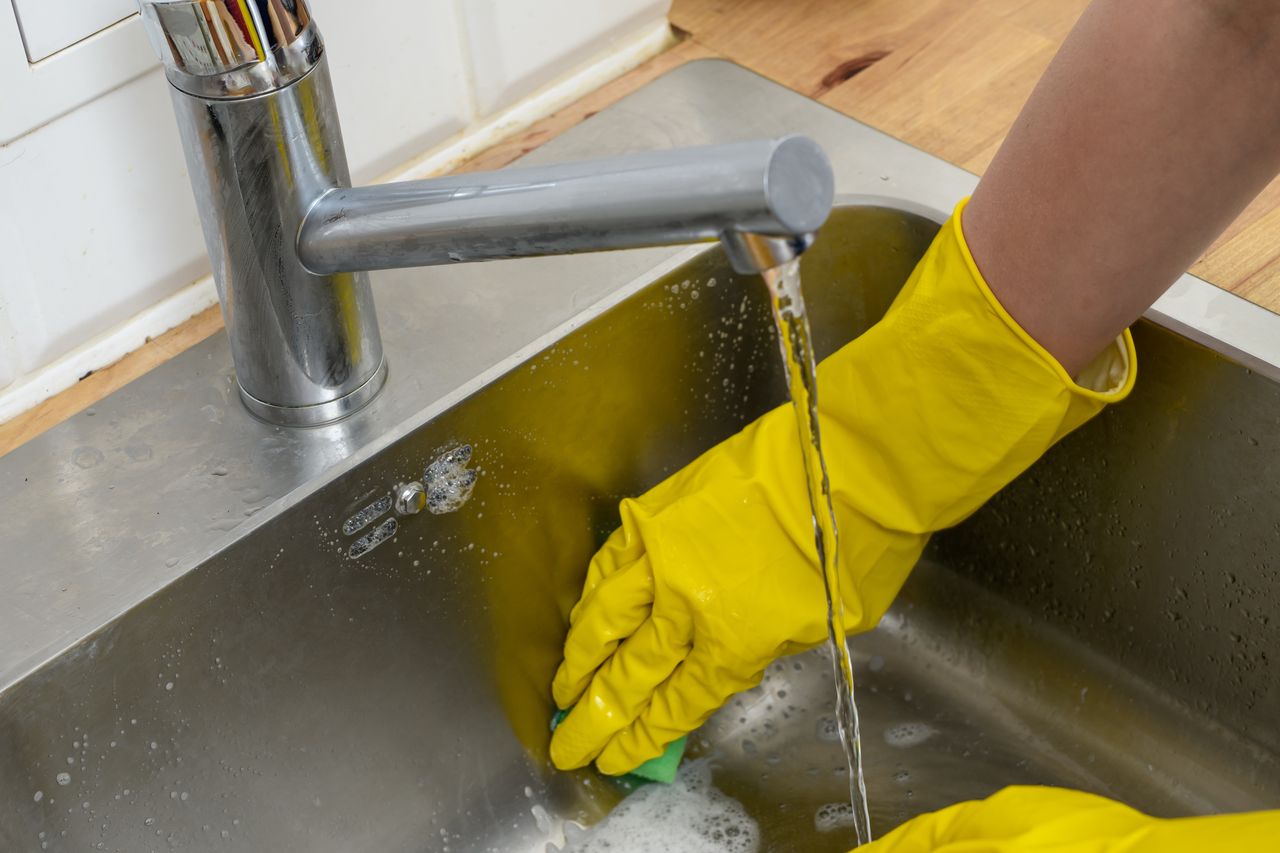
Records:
x=96, y=212
x=49, y=26
x=12, y=281
x=518, y=45
x=99, y=236
x=32, y=93
x=105, y=222
x=398, y=77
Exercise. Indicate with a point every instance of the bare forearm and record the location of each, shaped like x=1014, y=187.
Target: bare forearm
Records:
x=1158, y=121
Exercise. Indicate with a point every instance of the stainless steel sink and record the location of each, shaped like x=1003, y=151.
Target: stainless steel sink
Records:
x=191, y=657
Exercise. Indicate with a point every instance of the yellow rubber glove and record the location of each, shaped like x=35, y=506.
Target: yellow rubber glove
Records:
x=713, y=573
x=1031, y=819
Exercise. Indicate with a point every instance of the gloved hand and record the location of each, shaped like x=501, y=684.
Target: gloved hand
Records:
x=1029, y=819
x=713, y=573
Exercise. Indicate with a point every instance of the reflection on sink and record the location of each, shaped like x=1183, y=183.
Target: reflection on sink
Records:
x=284, y=696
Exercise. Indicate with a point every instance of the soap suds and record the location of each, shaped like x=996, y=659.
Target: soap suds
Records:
x=687, y=816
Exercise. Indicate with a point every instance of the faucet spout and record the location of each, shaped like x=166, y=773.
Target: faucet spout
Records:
x=779, y=188
x=292, y=241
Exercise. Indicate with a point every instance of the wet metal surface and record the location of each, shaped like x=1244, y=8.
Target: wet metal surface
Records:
x=295, y=698
x=191, y=660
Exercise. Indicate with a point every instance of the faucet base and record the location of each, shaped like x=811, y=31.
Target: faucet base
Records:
x=320, y=413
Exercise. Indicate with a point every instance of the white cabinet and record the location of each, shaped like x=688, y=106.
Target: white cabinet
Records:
x=48, y=26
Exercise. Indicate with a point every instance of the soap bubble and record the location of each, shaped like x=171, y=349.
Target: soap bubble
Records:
x=687, y=816
x=833, y=816
x=448, y=481
x=906, y=735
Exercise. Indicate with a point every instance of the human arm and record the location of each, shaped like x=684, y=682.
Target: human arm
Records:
x=1153, y=127
x=713, y=573
x=962, y=386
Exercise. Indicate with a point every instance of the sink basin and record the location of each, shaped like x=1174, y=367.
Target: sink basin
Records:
x=1107, y=623
x=294, y=697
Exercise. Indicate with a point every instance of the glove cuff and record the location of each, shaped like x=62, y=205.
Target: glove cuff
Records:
x=1108, y=378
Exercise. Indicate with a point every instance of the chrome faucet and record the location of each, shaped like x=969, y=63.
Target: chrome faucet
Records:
x=292, y=241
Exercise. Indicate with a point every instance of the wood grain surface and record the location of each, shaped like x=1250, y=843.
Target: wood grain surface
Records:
x=98, y=384
x=947, y=76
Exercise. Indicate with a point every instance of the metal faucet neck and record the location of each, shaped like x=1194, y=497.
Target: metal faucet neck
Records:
x=291, y=240
x=232, y=48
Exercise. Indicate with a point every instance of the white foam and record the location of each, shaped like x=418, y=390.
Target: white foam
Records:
x=687, y=816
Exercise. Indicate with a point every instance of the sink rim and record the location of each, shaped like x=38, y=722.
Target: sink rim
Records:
x=57, y=523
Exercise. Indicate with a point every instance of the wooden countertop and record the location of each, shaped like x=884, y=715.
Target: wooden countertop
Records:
x=944, y=75
x=948, y=77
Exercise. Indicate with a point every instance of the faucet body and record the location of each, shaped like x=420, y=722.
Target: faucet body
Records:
x=306, y=346
x=291, y=241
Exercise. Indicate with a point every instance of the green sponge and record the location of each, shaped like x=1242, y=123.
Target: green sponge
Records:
x=661, y=769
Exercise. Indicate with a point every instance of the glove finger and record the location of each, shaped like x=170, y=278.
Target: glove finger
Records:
x=606, y=562
x=623, y=547
x=700, y=685
x=612, y=611
x=621, y=688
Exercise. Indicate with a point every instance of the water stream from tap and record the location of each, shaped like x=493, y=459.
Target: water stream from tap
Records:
x=796, y=344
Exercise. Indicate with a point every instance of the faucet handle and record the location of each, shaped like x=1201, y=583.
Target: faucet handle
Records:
x=232, y=48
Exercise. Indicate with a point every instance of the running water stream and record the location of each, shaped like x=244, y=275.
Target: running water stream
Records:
x=796, y=344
